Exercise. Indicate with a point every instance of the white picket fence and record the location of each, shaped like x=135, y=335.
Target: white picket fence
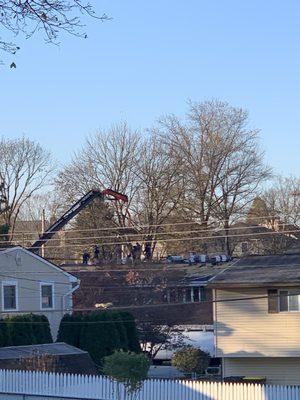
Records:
x=101, y=388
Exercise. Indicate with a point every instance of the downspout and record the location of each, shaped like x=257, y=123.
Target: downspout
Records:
x=71, y=291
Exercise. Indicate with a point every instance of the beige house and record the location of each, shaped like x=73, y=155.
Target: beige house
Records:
x=31, y=284
x=257, y=318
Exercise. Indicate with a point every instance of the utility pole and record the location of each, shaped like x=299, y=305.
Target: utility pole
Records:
x=43, y=230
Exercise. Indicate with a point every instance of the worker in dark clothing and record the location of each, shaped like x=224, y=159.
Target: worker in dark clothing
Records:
x=138, y=251
x=147, y=251
x=96, y=252
x=85, y=258
x=134, y=252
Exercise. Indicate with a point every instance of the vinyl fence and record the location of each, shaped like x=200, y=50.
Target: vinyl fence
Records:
x=101, y=388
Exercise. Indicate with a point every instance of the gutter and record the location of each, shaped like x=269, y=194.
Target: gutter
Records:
x=221, y=272
x=71, y=291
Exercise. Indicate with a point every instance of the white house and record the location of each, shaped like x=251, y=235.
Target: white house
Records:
x=257, y=318
x=31, y=284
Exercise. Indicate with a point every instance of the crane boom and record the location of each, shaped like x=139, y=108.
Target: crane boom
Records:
x=73, y=211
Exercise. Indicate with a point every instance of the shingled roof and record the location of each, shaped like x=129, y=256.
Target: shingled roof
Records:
x=261, y=271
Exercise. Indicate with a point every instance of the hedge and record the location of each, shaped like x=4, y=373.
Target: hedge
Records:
x=25, y=329
x=100, y=333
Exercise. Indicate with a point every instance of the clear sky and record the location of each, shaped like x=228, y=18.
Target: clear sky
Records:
x=149, y=60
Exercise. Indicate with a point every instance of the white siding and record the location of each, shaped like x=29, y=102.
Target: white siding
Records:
x=279, y=371
x=246, y=329
x=29, y=271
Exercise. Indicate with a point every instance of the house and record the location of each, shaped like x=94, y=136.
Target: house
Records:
x=62, y=358
x=31, y=284
x=162, y=294
x=257, y=318
x=243, y=239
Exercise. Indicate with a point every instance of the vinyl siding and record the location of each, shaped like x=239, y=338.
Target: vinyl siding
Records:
x=29, y=271
x=279, y=371
x=246, y=329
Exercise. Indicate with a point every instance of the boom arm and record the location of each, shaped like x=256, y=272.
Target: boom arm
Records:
x=73, y=211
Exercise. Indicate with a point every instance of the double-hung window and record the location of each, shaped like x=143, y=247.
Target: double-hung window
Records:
x=289, y=300
x=47, y=296
x=9, y=296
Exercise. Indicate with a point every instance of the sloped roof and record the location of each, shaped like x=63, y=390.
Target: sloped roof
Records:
x=32, y=254
x=261, y=271
x=55, y=349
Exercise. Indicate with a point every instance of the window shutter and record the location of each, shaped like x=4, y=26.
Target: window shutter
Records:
x=273, y=301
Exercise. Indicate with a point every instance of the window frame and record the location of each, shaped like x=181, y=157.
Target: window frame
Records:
x=41, y=296
x=288, y=303
x=10, y=283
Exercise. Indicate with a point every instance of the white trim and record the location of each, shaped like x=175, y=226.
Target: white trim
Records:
x=288, y=302
x=53, y=298
x=10, y=283
x=72, y=278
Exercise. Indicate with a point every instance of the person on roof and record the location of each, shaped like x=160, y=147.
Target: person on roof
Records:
x=85, y=258
x=96, y=253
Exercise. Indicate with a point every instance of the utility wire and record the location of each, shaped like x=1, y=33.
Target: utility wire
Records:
x=129, y=307
x=141, y=235
x=176, y=239
x=267, y=217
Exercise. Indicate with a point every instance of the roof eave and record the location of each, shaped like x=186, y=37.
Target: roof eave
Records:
x=252, y=285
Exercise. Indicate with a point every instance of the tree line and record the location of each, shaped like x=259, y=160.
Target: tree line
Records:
x=206, y=168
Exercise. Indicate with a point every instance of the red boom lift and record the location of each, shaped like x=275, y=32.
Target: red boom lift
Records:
x=109, y=194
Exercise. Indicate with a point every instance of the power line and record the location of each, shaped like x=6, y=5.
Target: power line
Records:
x=266, y=217
x=178, y=239
x=140, y=235
x=129, y=307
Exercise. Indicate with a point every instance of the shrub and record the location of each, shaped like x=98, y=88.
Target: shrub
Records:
x=4, y=334
x=128, y=369
x=26, y=329
x=38, y=362
x=120, y=326
x=99, y=336
x=100, y=333
x=41, y=329
x=69, y=332
x=131, y=330
x=191, y=360
x=20, y=330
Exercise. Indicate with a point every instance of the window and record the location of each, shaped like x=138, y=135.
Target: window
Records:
x=9, y=296
x=289, y=300
x=191, y=294
x=196, y=294
x=46, y=296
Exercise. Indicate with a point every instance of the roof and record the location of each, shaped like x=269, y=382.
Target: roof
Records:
x=261, y=271
x=9, y=249
x=57, y=349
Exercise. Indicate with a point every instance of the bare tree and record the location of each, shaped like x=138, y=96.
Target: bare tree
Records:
x=197, y=142
x=223, y=163
x=161, y=187
x=25, y=168
x=154, y=338
x=38, y=361
x=282, y=200
x=33, y=208
x=109, y=159
x=51, y=17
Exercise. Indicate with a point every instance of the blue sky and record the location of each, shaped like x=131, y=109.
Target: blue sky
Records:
x=149, y=60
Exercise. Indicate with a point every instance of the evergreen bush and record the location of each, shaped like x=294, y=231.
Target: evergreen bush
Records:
x=100, y=333
x=131, y=330
x=70, y=332
x=191, y=360
x=41, y=329
x=20, y=329
x=4, y=334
